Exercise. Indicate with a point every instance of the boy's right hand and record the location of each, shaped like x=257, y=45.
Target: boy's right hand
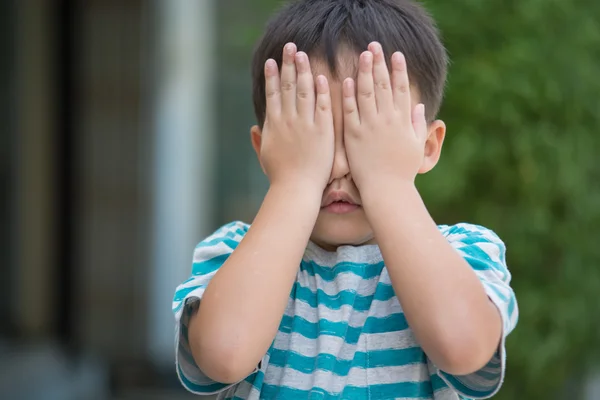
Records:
x=297, y=144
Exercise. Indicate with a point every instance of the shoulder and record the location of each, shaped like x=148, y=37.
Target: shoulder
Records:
x=228, y=234
x=234, y=230
x=220, y=243
x=475, y=240
x=465, y=232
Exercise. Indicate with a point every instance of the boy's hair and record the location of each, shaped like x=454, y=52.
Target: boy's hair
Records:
x=322, y=28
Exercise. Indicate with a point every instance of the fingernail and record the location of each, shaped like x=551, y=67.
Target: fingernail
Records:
x=397, y=57
x=321, y=82
x=348, y=87
x=376, y=48
x=289, y=48
x=270, y=65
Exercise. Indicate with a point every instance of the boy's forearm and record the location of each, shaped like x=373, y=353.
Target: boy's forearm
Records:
x=443, y=301
x=243, y=305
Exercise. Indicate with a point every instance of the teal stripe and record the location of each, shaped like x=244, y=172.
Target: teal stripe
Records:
x=390, y=391
x=458, y=230
x=256, y=379
x=208, y=266
x=228, y=241
x=473, y=238
x=312, y=330
x=387, y=391
x=182, y=293
x=365, y=271
x=188, y=280
x=511, y=305
x=178, y=307
x=459, y=386
x=333, y=302
x=476, y=262
x=494, y=288
x=340, y=367
x=226, y=231
x=481, y=261
x=383, y=292
x=437, y=383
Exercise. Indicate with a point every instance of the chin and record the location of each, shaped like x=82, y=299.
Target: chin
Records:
x=339, y=230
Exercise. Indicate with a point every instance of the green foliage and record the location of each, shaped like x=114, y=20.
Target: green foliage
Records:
x=521, y=158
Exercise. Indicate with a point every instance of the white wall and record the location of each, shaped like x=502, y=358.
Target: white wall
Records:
x=183, y=151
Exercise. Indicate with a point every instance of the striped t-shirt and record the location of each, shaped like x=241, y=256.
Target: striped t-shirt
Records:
x=343, y=334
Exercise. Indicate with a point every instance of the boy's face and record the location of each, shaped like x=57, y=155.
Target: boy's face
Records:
x=342, y=219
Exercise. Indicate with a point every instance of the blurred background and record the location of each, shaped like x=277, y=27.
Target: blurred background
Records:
x=124, y=141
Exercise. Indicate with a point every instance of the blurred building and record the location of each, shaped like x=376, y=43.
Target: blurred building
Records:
x=108, y=160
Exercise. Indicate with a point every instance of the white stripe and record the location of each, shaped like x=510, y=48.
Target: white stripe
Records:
x=445, y=394
x=202, y=254
x=492, y=250
x=195, y=281
x=192, y=372
x=379, y=309
x=347, y=281
x=337, y=347
x=223, y=231
x=492, y=276
x=356, y=377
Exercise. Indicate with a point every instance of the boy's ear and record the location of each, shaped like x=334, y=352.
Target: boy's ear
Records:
x=436, y=132
x=256, y=140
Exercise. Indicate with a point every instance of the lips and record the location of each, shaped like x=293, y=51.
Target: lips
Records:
x=339, y=202
x=338, y=197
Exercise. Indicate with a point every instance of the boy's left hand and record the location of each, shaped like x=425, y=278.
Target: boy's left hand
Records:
x=384, y=136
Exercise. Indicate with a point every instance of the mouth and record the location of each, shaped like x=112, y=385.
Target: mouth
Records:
x=339, y=202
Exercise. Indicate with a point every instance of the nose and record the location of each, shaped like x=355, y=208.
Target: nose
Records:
x=341, y=168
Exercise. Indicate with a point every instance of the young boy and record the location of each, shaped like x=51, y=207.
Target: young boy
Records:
x=344, y=287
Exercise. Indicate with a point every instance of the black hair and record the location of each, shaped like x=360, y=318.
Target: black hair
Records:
x=321, y=28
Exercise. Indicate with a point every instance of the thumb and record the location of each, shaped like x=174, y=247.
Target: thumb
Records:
x=420, y=122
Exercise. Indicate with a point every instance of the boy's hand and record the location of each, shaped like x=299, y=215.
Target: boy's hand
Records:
x=384, y=137
x=298, y=138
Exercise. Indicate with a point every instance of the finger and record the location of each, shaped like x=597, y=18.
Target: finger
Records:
x=288, y=79
x=272, y=88
x=366, y=90
x=419, y=122
x=323, y=114
x=381, y=77
x=401, y=86
x=350, y=106
x=305, y=91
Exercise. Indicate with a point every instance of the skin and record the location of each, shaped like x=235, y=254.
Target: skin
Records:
x=369, y=138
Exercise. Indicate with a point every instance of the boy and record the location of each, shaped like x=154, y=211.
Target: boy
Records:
x=344, y=287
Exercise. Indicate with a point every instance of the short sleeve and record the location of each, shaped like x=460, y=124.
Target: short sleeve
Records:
x=209, y=256
x=485, y=253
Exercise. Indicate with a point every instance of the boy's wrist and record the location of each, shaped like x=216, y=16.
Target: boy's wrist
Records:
x=376, y=190
x=297, y=193
x=399, y=195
